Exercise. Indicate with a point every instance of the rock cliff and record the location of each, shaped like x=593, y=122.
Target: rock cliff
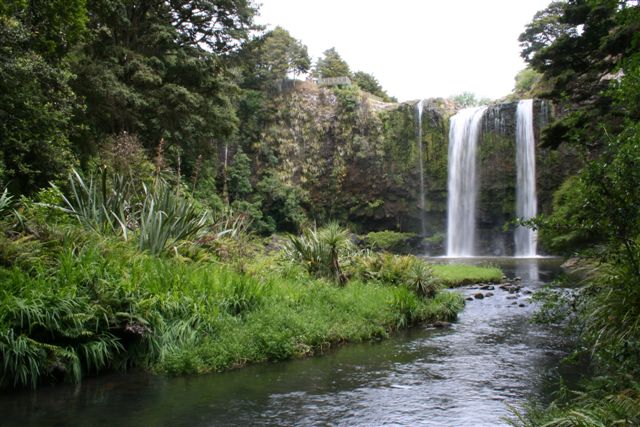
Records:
x=357, y=160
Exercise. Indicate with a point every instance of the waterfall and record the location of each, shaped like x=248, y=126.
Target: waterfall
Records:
x=421, y=202
x=463, y=181
x=525, y=238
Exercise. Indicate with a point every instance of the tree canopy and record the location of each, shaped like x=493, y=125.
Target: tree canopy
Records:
x=580, y=47
x=369, y=83
x=77, y=72
x=270, y=58
x=332, y=65
x=36, y=100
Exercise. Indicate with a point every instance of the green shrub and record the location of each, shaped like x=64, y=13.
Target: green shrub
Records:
x=166, y=218
x=405, y=306
x=392, y=241
x=320, y=251
x=75, y=302
x=396, y=270
x=99, y=204
x=434, y=239
x=6, y=201
x=241, y=294
x=595, y=408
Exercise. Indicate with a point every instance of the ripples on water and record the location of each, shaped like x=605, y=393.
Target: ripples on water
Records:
x=460, y=376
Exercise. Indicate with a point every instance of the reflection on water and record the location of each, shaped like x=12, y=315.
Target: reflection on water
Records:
x=460, y=376
x=529, y=272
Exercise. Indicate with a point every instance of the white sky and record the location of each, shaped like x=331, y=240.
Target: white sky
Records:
x=415, y=48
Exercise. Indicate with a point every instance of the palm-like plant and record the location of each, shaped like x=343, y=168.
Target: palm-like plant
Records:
x=110, y=204
x=420, y=279
x=6, y=200
x=320, y=250
x=309, y=251
x=167, y=218
x=336, y=240
x=98, y=205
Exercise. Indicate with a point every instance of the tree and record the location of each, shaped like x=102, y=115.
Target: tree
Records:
x=282, y=203
x=469, y=99
x=239, y=176
x=580, y=47
x=332, y=65
x=36, y=101
x=54, y=26
x=369, y=83
x=221, y=25
x=526, y=82
x=269, y=59
x=157, y=69
x=282, y=54
x=546, y=27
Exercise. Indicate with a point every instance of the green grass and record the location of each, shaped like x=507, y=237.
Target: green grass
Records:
x=74, y=303
x=452, y=275
x=298, y=320
x=389, y=240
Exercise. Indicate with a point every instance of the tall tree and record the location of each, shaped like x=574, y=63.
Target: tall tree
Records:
x=36, y=101
x=270, y=58
x=283, y=54
x=332, y=65
x=54, y=26
x=157, y=69
x=579, y=46
x=369, y=83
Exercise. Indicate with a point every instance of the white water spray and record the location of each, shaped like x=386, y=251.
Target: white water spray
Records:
x=463, y=181
x=526, y=201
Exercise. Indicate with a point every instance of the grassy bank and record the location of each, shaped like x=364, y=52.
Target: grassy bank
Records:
x=75, y=303
x=452, y=275
x=101, y=284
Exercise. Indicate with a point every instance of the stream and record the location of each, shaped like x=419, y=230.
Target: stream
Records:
x=462, y=375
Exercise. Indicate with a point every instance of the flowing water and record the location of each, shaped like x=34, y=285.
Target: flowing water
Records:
x=421, y=202
x=526, y=202
x=464, y=375
x=462, y=182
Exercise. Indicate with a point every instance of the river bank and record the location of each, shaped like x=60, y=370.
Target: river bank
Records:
x=77, y=304
x=461, y=375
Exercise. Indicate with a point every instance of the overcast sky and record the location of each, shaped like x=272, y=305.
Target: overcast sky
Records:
x=415, y=48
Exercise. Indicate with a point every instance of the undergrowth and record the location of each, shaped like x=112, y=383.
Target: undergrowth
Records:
x=77, y=303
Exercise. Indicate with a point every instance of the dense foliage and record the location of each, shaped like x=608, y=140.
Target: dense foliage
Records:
x=78, y=299
x=332, y=65
x=588, y=54
x=195, y=85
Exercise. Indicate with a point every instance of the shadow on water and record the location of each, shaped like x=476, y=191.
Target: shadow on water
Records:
x=460, y=376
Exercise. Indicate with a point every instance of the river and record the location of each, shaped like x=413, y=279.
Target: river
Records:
x=462, y=375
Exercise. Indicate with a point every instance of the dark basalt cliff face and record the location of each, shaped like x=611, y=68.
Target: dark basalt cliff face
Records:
x=357, y=160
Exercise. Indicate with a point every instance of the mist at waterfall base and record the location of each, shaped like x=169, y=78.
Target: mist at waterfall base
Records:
x=463, y=181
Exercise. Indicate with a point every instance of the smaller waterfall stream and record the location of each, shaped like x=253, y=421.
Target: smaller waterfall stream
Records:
x=526, y=201
x=463, y=181
x=421, y=202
